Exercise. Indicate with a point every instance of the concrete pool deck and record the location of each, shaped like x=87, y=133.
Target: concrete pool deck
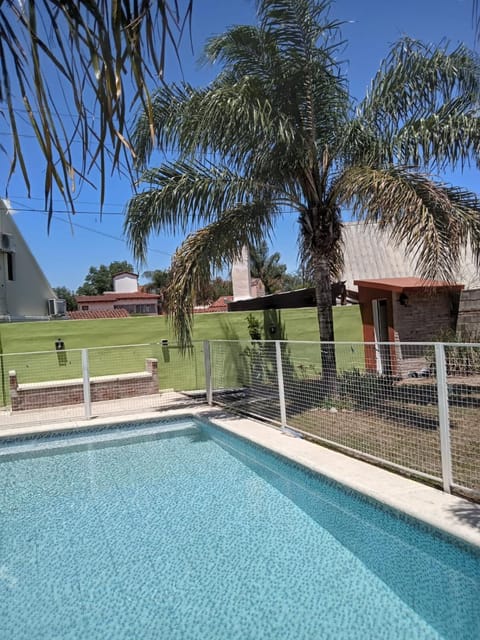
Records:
x=451, y=514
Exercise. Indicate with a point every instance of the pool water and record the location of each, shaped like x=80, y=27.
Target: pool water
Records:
x=182, y=531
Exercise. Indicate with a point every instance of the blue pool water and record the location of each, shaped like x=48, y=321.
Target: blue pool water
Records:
x=183, y=531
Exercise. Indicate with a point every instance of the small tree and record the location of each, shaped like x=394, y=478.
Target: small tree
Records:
x=100, y=279
x=267, y=267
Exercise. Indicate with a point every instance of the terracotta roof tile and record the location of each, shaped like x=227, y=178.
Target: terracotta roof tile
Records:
x=98, y=314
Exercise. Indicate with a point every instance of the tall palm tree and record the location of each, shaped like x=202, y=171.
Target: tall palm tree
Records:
x=93, y=52
x=267, y=267
x=277, y=131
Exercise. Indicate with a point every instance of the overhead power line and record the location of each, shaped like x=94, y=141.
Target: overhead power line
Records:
x=106, y=235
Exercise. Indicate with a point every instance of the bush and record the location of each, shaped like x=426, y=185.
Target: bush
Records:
x=364, y=390
x=461, y=360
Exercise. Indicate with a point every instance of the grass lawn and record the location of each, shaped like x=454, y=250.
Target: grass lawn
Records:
x=299, y=324
x=176, y=371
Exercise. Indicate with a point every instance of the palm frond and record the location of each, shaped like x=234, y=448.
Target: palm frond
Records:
x=208, y=250
x=96, y=49
x=416, y=79
x=447, y=137
x=184, y=194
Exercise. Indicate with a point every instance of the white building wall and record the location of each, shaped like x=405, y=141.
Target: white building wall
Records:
x=125, y=283
x=241, y=276
x=25, y=295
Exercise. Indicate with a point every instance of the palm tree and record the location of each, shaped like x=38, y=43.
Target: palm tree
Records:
x=267, y=268
x=277, y=131
x=94, y=49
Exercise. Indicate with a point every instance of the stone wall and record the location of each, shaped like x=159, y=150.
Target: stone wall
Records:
x=54, y=393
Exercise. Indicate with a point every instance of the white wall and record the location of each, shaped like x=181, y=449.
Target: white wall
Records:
x=241, y=276
x=125, y=283
x=28, y=292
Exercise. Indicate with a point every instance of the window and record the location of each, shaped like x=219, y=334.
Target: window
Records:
x=84, y=307
x=11, y=266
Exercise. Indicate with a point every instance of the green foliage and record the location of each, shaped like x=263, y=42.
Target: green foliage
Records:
x=267, y=267
x=253, y=324
x=69, y=296
x=296, y=280
x=158, y=280
x=461, y=357
x=101, y=54
x=212, y=290
x=100, y=279
x=364, y=389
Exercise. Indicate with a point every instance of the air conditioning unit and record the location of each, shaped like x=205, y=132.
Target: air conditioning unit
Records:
x=57, y=307
x=7, y=243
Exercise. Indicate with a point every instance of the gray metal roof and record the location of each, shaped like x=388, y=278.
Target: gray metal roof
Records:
x=370, y=254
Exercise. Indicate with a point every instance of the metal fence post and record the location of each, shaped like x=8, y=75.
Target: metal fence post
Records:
x=208, y=371
x=281, y=386
x=443, y=416
x=87, y=402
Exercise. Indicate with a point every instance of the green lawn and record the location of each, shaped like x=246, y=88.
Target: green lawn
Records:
x=176, y=371
x=299, y=324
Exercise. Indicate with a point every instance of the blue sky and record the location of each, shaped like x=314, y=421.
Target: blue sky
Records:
x=72, y=246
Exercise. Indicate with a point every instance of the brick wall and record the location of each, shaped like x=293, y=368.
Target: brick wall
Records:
x=40, y=395
x=425, y=316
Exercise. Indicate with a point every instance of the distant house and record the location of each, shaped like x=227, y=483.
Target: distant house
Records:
x=219, y=306
x=125, y=295
x=25, y=293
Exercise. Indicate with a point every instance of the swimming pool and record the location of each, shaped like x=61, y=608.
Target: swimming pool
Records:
x=182, y=530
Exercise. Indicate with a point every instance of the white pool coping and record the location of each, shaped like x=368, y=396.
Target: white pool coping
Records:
x=453, y=515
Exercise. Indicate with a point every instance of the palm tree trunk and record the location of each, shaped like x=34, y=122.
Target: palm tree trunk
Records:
x=325, y=319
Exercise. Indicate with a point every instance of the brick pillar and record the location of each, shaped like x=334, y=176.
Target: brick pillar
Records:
x=13, y=386
x=151, y=365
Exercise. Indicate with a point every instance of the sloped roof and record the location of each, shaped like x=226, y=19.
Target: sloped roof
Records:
x=221, y=302
x=369, y=254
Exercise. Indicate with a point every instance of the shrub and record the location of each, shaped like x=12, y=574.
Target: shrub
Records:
x=364, y=390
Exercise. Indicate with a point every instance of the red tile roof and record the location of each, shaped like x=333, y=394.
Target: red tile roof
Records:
x=216, y=307
x=98, y=314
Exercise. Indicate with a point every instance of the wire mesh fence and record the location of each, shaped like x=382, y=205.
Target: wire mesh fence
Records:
x=462, y=364
x=47, y=387
x=385, y=401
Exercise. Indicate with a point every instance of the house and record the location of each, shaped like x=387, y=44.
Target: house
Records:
x=369, y=254
x=404, y=312
x=25, y=293
x=220, y=305
x=125, y=295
